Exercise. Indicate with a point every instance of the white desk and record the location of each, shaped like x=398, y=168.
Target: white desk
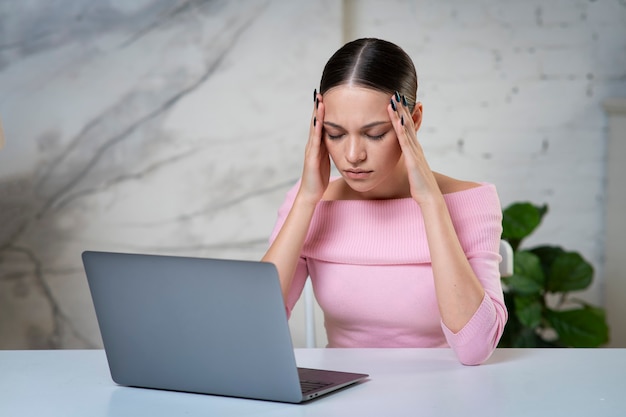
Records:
x=404, y=382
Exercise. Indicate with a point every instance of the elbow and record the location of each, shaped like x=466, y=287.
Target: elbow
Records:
x=476, y=353
x=479, y=348
x=480, y=354
x=474, y=358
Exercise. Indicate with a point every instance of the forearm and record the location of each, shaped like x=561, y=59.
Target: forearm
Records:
x=285, y=250
x=458, y=290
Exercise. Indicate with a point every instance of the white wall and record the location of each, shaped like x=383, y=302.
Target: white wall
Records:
x=615, y=271
x=177, y=127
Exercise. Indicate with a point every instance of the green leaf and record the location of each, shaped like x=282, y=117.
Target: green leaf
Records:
x=528, y=310
x=527, y=275
x=517, y=335
x=520, y=220
x=569, y=272
x=584, y=327
x=526, y=338
x=547, y=255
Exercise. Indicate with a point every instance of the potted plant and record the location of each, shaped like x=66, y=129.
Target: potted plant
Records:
x=542, y=312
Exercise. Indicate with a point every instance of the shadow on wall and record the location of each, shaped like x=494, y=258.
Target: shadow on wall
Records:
x=1, y=135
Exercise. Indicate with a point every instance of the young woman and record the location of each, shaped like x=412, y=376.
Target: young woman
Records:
x=399, y=255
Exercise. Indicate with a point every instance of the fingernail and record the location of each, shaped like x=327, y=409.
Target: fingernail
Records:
x=314, y=121
x=315, y=94
x=393, y=105
x=402, y=120
x=406, y=104
x=317, y=103
x=397, y=96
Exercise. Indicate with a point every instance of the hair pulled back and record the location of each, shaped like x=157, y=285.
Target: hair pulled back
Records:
x=372, y=63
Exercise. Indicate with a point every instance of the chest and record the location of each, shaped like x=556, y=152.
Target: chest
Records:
x=379, y=295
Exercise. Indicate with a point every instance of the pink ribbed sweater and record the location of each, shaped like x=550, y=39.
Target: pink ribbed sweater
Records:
x=369, y=263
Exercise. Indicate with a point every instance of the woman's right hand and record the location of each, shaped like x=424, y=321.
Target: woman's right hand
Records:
x=286, y=249
x=316, y=171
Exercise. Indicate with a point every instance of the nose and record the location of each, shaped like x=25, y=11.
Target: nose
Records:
x=355, y=152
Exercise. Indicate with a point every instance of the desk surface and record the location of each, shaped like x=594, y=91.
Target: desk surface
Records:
x=429, y=382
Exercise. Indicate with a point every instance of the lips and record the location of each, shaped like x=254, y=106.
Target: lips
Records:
x=357, y=174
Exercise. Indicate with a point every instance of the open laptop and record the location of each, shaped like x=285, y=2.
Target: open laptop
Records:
x=209, y=326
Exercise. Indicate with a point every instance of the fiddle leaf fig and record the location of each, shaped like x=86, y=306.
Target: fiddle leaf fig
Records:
x=527, y=275
x=547, y=255
x=539, y=273
x=569, y=272
x=520, y=220
x=528, y=310
x=584, y=327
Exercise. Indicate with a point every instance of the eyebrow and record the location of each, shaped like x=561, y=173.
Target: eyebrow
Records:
x=367, y=126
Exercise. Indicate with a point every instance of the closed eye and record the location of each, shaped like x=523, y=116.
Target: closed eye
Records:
x=334, y=137
x=376, y=137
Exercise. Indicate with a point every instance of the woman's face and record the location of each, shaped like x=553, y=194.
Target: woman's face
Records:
x=362, y=143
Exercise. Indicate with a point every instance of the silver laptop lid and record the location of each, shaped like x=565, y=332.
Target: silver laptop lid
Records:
x=197, y=325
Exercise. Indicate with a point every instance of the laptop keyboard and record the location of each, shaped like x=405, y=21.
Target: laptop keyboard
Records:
x=310, y=386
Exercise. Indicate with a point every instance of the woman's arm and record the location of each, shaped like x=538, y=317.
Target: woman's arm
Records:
x=284, y=252
x=458, y=290
x=477, y=218
x=460, y=293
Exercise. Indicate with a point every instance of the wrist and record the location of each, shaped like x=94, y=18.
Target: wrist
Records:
x=305, y=202
x=429, y=201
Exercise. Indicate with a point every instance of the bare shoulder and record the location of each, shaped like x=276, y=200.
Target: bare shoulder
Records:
x=337, y=190
x=448, y=185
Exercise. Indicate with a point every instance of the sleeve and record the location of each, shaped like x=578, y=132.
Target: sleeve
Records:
x=302, y=272
x=480, y=229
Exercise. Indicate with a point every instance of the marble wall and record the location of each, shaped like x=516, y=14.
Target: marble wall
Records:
x=144, y=126
x=176, y=127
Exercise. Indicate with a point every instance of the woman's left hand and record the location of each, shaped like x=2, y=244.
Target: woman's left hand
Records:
x=421, y=179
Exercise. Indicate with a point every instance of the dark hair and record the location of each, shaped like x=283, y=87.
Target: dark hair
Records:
x=372, y=63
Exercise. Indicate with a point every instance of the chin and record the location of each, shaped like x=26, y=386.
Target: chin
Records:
x=360, y=186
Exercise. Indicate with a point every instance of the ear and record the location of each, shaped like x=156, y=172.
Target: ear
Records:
x=417, y=115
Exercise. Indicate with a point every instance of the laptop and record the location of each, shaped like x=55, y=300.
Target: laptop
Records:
x=210, y=326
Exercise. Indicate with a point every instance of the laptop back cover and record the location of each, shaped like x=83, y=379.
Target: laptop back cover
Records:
x=196, y=325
